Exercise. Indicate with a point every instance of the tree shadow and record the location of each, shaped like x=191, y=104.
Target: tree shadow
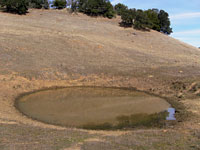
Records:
x=125, y=25
x=143, y=29
x=130, y=25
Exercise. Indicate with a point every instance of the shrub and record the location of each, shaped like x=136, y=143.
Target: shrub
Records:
x=74, y=4
x=59, y=4
x=142, y=120
x=103, y=126
x=145, y=20
x=164, y=22
x=109, y=10
x=39, y=4
x=120, y=8
x=154, y=22
x=96, y=8
x=141, y=22
x=16, y=6
x=128, y=17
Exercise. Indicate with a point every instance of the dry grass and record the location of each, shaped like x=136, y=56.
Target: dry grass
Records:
x=53, y=48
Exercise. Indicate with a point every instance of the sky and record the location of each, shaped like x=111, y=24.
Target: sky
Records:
x=184, y=16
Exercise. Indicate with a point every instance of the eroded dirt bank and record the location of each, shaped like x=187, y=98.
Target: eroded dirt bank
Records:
x=54, y=48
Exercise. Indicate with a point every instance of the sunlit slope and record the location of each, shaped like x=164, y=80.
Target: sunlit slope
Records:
x=48, y=42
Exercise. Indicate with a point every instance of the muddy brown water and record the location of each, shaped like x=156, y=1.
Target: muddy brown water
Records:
x=77, y=106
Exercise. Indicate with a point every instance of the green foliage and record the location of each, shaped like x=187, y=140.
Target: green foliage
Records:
x=164, y=22
x=154, y=22
x=141, y=22
x=109, y=10
x=127, y=17
x=96, y=8
x=144, y=120
x=74, y=5
x=120, y=8
x=39, y=4
x=104, y=126
x=132, y=121
x=144, y=20
x=15, y=6
x=46, y=4
x=59, y=4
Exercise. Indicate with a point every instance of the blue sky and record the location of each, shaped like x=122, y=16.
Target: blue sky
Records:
x=184, y=16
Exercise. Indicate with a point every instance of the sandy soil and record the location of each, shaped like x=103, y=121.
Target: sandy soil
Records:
x=54, y=48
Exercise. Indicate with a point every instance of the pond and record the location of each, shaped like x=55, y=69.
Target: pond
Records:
x=89, y=107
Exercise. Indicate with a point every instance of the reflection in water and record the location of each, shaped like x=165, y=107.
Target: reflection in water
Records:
x=171, y=114
x=78, y=106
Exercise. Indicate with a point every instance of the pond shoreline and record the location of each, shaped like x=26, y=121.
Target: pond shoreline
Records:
x=178, y=106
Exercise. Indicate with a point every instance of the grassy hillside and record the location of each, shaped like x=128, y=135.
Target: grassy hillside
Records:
x=49, y=48
x=79, y=44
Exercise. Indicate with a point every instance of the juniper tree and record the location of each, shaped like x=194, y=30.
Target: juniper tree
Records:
x=120, y=8
x=59, y=4
x=154, y=22
x=128, y=16
x=164, y=22
x=96, y=8
x=15, y=6
x=141, y=21
x=39, y=4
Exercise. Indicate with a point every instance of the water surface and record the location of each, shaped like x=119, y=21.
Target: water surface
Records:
x=78, y=106
x=171, y=112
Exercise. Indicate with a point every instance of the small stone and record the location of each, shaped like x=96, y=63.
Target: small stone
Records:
x=164, y=131
x=150, y=76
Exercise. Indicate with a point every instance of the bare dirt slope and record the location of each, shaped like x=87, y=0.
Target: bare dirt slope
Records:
x=54, y=48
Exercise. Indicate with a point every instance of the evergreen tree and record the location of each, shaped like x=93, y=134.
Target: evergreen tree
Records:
x=82, y=5
x=145, y=20
x=141, y=22
x=154, y=23
x=120, y=8
x=128, y=17
x=96, y=8
x=16, y=6
x=109, y=10
x=74, y=5
x=164, y=22
x=59, y=4
x=39, y=4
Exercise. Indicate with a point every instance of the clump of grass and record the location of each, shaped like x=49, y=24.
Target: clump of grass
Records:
x=178, y=85
x=103, y=126
x=142, y=120
x=132, y=121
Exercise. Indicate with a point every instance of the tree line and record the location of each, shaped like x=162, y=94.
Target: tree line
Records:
x=144, y=20
x=139, y=19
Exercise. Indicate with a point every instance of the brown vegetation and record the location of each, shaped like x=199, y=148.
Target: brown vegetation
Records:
x=49, y=48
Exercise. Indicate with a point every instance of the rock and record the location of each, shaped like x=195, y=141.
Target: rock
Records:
x=150, y=76
x=164, y=131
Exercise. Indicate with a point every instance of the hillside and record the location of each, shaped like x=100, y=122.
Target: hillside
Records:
x=48, y=48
